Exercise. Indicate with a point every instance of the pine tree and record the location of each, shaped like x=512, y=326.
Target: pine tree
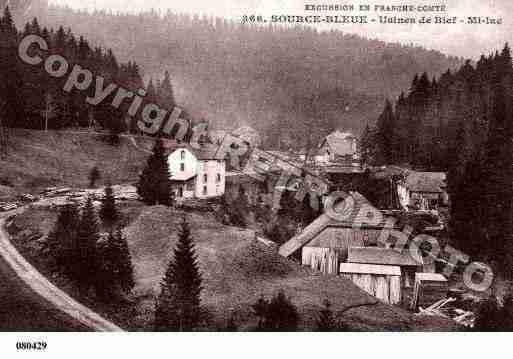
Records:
x=166, y=93
x=125, y=267
x=178, y=306
x=11, y=98
x=106, y=284
x=497, y=170
x=115, y=266
x=326, y=322
x=367, y=146
x=154, y=185
x=108, y=210
x=62, y=239
x=94, y=176
x=386, y=135
x=488, y=318
x=85, y=268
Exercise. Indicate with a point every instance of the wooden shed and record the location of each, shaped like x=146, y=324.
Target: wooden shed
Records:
x=389, y=257
x=328, y=249
x=324, y=243
x=428, y=289
x=383, y=282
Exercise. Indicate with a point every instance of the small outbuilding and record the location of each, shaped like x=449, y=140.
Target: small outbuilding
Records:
x=324, y=243
x=388, y=257
x=382, y=282
x=428, y=289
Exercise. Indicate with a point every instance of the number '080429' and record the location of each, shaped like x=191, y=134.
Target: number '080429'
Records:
x=31, y=345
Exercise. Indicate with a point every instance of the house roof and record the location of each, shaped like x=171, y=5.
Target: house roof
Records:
x=340, y=143
x=357, y=213
x=205, y=152
x=385, y=256
x=355, y=268
x=430, y=182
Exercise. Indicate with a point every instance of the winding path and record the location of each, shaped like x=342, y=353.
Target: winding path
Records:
x=29, y=302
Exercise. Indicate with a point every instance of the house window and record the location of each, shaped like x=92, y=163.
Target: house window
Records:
x=205, y=177
x=182, y=167
x=182, y=155
x=204, y=190
x=218, y=178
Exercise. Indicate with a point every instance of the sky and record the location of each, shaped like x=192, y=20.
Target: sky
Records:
x=468, y=41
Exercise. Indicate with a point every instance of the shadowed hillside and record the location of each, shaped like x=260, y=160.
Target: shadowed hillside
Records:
x=283, y=81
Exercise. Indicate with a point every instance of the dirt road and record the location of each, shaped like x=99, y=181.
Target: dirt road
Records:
x=29, y=302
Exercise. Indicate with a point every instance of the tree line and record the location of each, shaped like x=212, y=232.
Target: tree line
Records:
x=31, y=98
x=461, y=123
x=77, y=251
x=286, y=82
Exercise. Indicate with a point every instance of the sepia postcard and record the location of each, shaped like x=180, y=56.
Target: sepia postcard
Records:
x=255, y=166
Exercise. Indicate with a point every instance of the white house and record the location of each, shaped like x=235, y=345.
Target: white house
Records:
x=338, y=147
x=197, y=173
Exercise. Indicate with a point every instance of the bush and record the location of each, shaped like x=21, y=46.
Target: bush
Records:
x=278, y=314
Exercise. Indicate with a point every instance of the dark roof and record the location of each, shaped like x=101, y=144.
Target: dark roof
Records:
x=205, y=152
x=431, y=182
x=240, y=178
x=358, y=213
x=385, y=256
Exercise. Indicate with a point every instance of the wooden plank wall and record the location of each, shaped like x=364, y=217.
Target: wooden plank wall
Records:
x=385, y=288
x=325, y=260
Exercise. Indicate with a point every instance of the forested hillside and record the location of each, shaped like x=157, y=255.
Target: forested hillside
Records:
x=286, y=82
x=462, y=123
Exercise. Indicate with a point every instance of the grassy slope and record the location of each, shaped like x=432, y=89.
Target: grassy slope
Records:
x=236, y=269
x=36, y=160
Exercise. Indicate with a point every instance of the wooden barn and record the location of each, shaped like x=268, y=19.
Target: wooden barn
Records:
x=388, y=257
x=383, y=282
x=330, y=248
x=324, y=243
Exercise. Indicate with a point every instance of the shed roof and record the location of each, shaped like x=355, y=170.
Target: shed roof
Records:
x=430, y=182
x=387, y=256
x=356, y=268
x=358, y=214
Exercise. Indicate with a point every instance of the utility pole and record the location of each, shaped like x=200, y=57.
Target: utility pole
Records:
x=46, y=112
x=3, y=131
x=91, y=119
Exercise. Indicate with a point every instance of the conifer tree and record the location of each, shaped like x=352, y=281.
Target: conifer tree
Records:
x=85, y=268
x=62, y=239
x=386, y=135
x=13, y=108
x=154, y=185
x=326, y=322
x=166, y=93
x=125, y=266
x=367, y=146
x=115, y=266
x=178, y=306
x=108, y=210
x=488, y=318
